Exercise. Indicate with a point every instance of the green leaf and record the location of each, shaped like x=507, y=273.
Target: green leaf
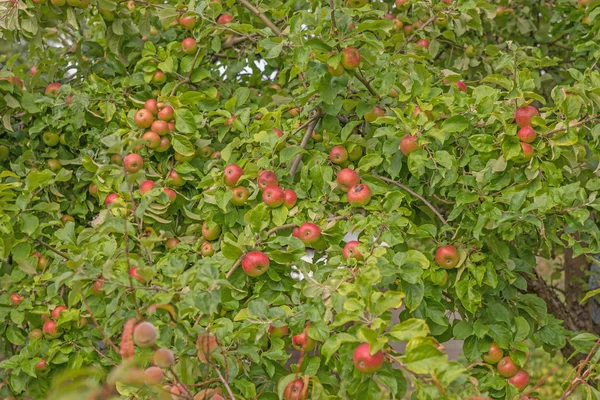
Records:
x=184, y=121
x=458, y=123
x=409, y=329
x=182, y=145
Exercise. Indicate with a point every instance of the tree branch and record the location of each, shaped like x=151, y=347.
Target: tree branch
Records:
x=585, y=121
x=418, y=196
x=46, y=245
x=365, y=82
x=261, y=16
x=332, y=7
x=309, y=130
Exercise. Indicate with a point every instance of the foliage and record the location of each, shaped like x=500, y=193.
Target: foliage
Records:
x=450, y=73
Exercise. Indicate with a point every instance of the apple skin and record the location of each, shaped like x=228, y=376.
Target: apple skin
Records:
x=279, y=331
x=527, y=152
x=273, y=196
x=97, y=287
x=133, y=163
x=295, y=390
x=41, y=365
x=351, y=251
x=520, y=380
x=166, y=114
x=526, y=134
x=50, y=138
x=42, y=262
x=133, y=273
x=266, y=179
x=350, y=58
x=494, y=355
x=165, y=144
x=303, y=341
x=374, y=114
x=338, y=155
x=239, y=196
x=171, y=194
x=35, y=334
x=159, y=127
x=188, y=22
x=145, y=334
x=309, y=233
x=424, y=43
x=366, y=362
x=447, y=256
x=117, y=159
x=359, y=195
x=461, y=86
x=224, y=19
x=207, y=249
x=16, y=299
x=57, y=311
x=171, y=243
x=50, y=328
x=210, y=233
x=232, y=174
x=290, y=198
x=174, y=179
x=152, y=139
x=278, y=132
x=347, y=178
x=159, y=78
x=408, y=144
x=54, y=165
x=163, y=358
x=189, y=45
x=152, y=106
x=110, y=199
x=52, y=89
x=255, y=263
x=507, y=368
x=524, y=115
x=338, y=71
x=143, y=118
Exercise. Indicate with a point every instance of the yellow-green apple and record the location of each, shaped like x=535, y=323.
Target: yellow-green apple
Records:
x=207, y=249
x=374, y=114
x=278, y=331
x=174, y=179
x=117, y=159
x=366, y=362
x=494, y=355
x=337, y=71
x=159, y=78
x=54, y=165
x=239, y=196
x=255, y=263
x=210, y=232
x=50, y=138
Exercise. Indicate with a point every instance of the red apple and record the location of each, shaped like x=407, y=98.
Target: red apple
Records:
x=309, y=233
x=57, y=311
x=93, y=189
x=159, y=127
x=255, y=263
x=165, y=144
x=152, y=139
x=166, y=114
x=152, y=106
x=347, y=178
x=273, y=196
x=50, y=328
x=507, y=368
x=424, y=43
x=461, y=86
x=408, y=144
x=295, y=390
x=224, y=19
x=171, y=243
x=189, y=45
x=524, y=115
x=366, y=362
x=188, y=22
x=41, y=365
x=97, y=287
x=232, y=174
x=526, y=134
x=146, y=186
x=210, y=233
x=278, y=132
x=16, y=299
x=338, y=155
x=143, y=118
x=374, y=114
x=494, y=355
x=239, y=196
x=171, y=194
x=303, y=341
x=520, y=380
x=266, y=179
x=447, y=256
x=145, y=334
x=110, y=199
x=159, y=78
x=52, y=89
x=359, y=195
x=351, y=250
x=527, y=152
x=174, y=179
x=350, y=58
x=133, y=163
x=289, y=198
x=207, y=249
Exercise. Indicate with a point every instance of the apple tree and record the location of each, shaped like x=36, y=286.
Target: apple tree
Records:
x=234, y=199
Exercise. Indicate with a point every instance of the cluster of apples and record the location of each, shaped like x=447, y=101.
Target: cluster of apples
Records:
x=506, y=367
x=156, y=138
x=349, y=60
x=526, y=133
x=348, y=180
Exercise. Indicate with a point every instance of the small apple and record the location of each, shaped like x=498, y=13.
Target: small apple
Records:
x=278, y=331
x=211, y=232
x=159, y=78
x=424, y=43
x=97, y=286
x=50, y=329
x=295, y=390
x=447, y=256
x=401, y=3
x=507, y=368
x=171, y=243
x=520, y=380
x=165, y=144
x=54, y=165
x=230, y=120
x=153, y=375
x=359, y=195
x=524, y=115
x=290, y=198
x=527, y=153
x=163, y=358
x=143, y=118
x=374, y=114
x=255, y=263
x=166, y=114
x=133, y=163
x=338, y=71
x=338, y=155
x=42, y=261
x=470, y=51
x=152, y=139
x=526, y=134
x=57, y=311
x=171, y=194
x=188, y=22
x=350, y=58
x=35, y=334
x=408, y=29
x=50, y=138
x=66, y=218
x=146, y=186
x=111, y=198
x=303, y=342
x=174, y=179
x=351, y=250
x=239, y=196
x=494, y=355
x=93, y=189
x=152, y=106
x=278, y=132
x=309, y=233
x=347, y=178
x=355, y=154
x=41, y=365
x=159, y=127
x=16, y=299
x=53, y=88
x=207, y=249
x=232, y=174
x=266, y=179
x=273, y=196
x=408, y=144
x=366, y=362
x=189, y=45
x=461, y=86
x=224, y=19
x=145, y=334
x=117, y=159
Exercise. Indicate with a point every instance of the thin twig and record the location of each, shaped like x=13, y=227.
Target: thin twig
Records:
x=234, y=267
x=309, y=130
x=332, y=7
x=106, y=337
x=184, y=386
x=100, y=353
x=224, y=382
x=542, y=380
x=585, y=121
x=418, y=196
x=46, y=245
x=365, y=82
x=579, y=379
x=261, y=16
